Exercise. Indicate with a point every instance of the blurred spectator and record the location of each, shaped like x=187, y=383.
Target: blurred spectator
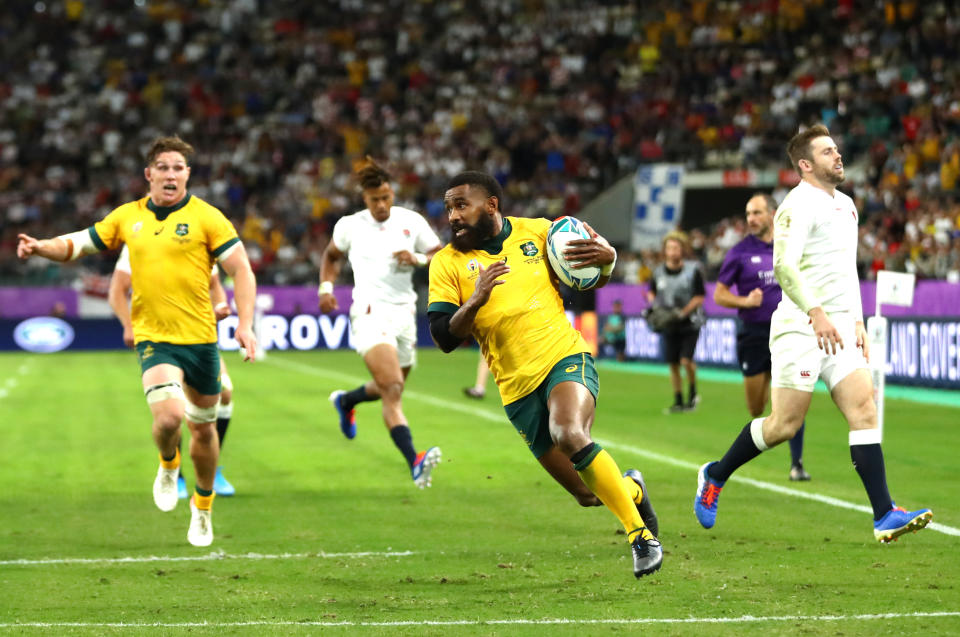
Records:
x=557, y=99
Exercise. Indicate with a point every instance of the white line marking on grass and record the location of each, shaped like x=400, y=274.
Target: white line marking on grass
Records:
x=643, y=453
x=743, y=619
x=210, y=557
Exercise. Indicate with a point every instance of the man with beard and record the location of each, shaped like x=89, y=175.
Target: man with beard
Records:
x=384, y=243
x=816, y=332
x=493, y=282
x=749, y=266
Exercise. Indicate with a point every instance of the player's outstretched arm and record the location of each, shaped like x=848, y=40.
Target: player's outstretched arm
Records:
x=63, y=248
x=238, y=267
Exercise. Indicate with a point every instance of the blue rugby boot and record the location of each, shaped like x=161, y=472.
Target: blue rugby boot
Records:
x=898, y=521
x=348, y=417
x=708, y=495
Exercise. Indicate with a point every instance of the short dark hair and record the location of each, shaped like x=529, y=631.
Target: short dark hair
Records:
x=167, y=144
x=481, y=180
x=372, y=175
x=799, y=145
x=768, y=199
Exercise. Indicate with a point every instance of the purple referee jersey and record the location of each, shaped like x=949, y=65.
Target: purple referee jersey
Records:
x=749, y=265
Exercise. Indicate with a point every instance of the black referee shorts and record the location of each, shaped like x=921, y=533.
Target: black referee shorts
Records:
x=753, y=348
x=677, y=345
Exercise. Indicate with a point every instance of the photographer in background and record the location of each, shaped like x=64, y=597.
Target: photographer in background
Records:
x=677, y=286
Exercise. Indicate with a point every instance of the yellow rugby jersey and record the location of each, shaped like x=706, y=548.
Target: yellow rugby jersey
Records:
x=171, y=253
x=522, y=330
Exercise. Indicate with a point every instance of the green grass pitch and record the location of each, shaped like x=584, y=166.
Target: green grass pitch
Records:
x=330, y=535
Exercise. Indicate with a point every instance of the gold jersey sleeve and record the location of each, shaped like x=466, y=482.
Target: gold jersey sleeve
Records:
x=172, y=251
x=522, y=330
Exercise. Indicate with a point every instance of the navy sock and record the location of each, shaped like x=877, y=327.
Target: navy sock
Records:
x=355, y=396
x=868, y=461
x=693, y=391
x=222, y=424
x=678, y=398
x=404, y=441
x=742, y=451
x=796, y=446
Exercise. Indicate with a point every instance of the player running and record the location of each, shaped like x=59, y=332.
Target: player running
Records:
x=816, y=332
x=384, y=243
x=174, y=239
x=493, y=282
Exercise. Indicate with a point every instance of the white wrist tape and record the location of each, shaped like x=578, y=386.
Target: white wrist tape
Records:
x=222, y=305
x=326, y=287
x=78, y=243
x=607, y=270
x=421, y=258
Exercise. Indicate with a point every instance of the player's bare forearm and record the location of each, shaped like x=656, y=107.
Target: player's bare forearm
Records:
x=55, y=249
x=724, y=297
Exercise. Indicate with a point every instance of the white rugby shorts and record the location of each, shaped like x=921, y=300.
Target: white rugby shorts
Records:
x=797, y=362
x=393, y=324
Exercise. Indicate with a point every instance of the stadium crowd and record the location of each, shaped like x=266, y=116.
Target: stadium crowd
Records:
x=558, y=99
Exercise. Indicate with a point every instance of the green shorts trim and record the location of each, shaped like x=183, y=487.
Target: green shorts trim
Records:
x=200, y=363
x=530, y=416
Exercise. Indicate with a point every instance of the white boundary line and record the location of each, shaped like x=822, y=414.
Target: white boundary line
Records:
x=744, y=619
x=500, y=417
x=210, y=557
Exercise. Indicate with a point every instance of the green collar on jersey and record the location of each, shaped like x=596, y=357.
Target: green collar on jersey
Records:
x=162, y=212
x=495, y=244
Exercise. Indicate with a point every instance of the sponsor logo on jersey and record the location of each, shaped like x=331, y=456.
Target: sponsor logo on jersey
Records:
x=137, y=227
x=804, y=373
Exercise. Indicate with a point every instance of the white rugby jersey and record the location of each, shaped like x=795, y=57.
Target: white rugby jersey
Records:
x=369, y=245
x=816, y=234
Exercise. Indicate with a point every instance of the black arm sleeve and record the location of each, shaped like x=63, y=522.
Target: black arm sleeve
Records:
x=699, y=289
x=440, y=331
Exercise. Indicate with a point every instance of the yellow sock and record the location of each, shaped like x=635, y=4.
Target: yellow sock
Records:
x=633, y=489
x=170, y=464
x=203, y=502
x=602, y=476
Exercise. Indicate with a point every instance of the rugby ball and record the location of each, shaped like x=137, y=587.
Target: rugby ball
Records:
x=562, y=231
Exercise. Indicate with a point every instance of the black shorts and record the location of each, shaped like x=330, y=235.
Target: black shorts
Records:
x=677, y=345
x=753, y=348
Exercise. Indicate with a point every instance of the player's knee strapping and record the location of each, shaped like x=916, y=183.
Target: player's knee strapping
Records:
x=226, y=383
x=198, y=415
x=164, y=391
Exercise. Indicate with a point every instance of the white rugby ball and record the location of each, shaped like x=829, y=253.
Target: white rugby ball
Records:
x=562, y=231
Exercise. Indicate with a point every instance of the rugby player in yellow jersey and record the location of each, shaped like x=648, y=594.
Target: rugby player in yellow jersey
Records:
x=493, y=282
x=174, y=239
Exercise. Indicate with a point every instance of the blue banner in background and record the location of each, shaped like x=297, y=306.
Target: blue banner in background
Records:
x=921, y=351
x=45, y=334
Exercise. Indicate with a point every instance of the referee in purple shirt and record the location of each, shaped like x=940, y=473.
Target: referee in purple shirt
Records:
x=749, y=266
